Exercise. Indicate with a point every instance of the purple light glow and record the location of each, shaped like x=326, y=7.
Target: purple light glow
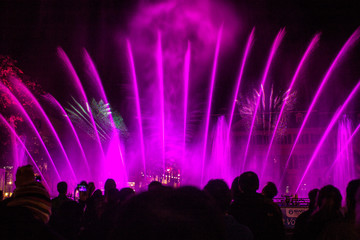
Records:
x=274, y=48
x=12, y=130
x=137, y=101
x=28, y=119
x=213, y=73
x=328, y=129
x=312, y=44
x=349, y=43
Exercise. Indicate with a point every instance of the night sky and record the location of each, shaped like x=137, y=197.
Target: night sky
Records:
x=31, y=31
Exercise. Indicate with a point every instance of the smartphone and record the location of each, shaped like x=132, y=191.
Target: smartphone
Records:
x=82, y=188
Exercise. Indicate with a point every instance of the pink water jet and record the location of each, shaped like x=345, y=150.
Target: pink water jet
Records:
x=311, y=46
x=137, y=102
x=219, y=164
x=344, y=148
x=52, y=100
x=27, y=92
x=79, y=86
x=160, y=74
x=327, y=131
x=33, y=127
x=13, y=132
x=344, y=170
x=273, y=50
x=212, y=83
x=346, y=47
x=236, y=92
x=112, y=159
x=186, y=93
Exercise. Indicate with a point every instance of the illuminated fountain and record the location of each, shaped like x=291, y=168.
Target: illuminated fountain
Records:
x=174, y=133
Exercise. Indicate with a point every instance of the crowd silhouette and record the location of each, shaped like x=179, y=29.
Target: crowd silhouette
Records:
x=213, y=213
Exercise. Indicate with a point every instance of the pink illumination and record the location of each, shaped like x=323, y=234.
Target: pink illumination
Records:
x=160, y=69
x=12, y=130
x=137, y=99
x=312, y=44
x=274, y=48
x=328, y=129
x=23, y=89
x=246, y=53
x=57, y=104
x=33, y=127
x=213, y=73
x=349, y=43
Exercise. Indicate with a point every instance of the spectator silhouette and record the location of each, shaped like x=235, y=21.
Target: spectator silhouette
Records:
x=303, y=219
x=219, y=191
x=109, y=184
x=251, y=209
x=94, y=210
x=155, y=186
x=184, y=213
x=328, y=214
x=270, y=191
x=351, y=190
x=61, y=198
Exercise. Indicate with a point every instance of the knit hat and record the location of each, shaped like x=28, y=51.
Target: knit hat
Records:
x=34, y=197
x=31, y=194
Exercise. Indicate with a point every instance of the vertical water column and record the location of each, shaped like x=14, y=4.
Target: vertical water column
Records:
x=344, y=167
x=160, y=72
x=236, y=92
x=186, y=91
x=219, y=165
x=137, y=102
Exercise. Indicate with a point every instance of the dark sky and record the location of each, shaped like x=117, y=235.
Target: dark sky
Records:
x=30, y=31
